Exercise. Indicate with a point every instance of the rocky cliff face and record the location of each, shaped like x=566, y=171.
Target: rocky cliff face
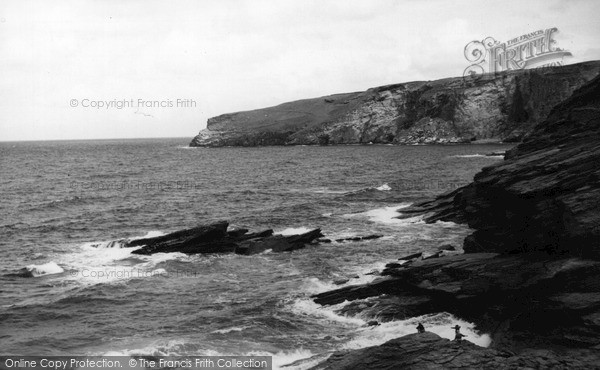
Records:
x=545, y=196
x=501, y=107
x=538, y=293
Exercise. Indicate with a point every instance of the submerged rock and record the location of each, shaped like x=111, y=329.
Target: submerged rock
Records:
x=359, y=238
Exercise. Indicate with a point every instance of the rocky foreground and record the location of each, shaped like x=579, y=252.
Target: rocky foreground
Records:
x=453, y=110
x=530, y=275
x=429, y=351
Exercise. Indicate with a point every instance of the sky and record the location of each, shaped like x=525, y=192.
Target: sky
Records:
x=67, y=66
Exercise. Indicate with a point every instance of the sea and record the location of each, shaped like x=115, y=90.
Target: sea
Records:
x=65, y=289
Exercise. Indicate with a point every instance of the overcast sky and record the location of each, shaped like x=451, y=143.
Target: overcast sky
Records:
x=232, y=55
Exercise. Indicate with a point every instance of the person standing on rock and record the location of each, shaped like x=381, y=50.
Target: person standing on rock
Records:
x=458, y=336
x=420, y=328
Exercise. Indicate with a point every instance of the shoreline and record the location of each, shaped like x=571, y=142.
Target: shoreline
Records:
x=528, y=275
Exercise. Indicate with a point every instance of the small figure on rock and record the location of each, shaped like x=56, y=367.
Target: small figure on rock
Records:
x=420, y=328
x=458, y=335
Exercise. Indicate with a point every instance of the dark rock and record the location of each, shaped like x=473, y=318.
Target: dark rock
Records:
x=341, y=281
x=429, y=351
x=359, y=238
x=521, y=300
x=215, y=238
x=237, y=232
x=278, y=243
x=539, y=299
x=452, y=110
x=370, y=237
x=323, y=240
x=373, y=323
x=201, y=239
x=393, y=265
x=410, y=256
x=260, y=234
x=447, y=247
x=544, y=196
x=432, y=255
x=496, y=154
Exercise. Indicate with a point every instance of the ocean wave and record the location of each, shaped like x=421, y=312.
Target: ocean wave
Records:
x=307, y=307
x=478, y=156
x=229, y=330
x=120, y=243
x=358, y=276
x=65, y=202
x=298, y=359
x=328, y=191
x=49, y=268
x=168, y=348
x=108, y=261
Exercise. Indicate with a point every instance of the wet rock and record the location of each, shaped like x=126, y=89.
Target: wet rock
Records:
x=359, y=238
x=496, y=154
x=236, y=232
x=260, y=234
x=447, y=247
x=278, y=243
x=411, y=256
x=521, y=300
x=427, y=256
x=429, y=351
x=215, y=238
x=202, y=239
x=341, y=281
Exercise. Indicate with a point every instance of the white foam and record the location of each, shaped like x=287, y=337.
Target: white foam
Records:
x=384, y=187
x=440, y=324
x=386, y=215
x=170, y=348
x=229, y=330
x=478, y=156
x=302, y=359
x=328, y=191
x=44, y=269
x=102, y=262
x=293, y=231
x=315, y=286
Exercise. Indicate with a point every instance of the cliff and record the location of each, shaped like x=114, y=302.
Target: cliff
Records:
x=545, y=195
x=500, y=107
x=530, y=276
